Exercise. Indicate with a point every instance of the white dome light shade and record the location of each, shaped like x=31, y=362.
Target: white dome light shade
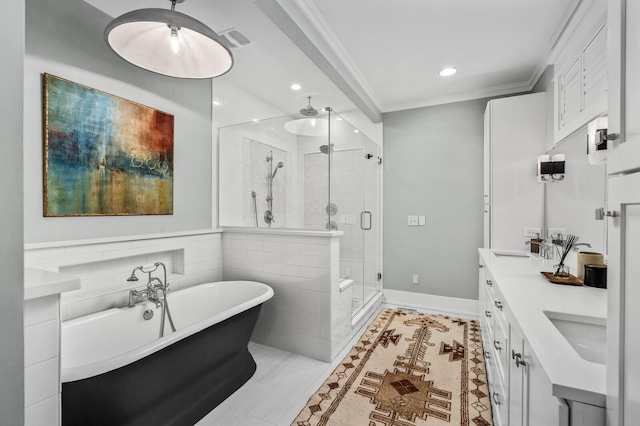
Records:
x=308, y=126
x=169, y=43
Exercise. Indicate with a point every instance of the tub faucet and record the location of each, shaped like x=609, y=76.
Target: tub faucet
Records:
x=137, y=296
x=154, y=285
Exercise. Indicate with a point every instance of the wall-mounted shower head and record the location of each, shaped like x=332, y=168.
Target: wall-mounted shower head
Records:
x=326, y=149
x=309, y=111
x=133, y=276
x=279, y=166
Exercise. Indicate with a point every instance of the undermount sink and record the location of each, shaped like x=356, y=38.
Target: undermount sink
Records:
x=587, y=335
x=510, y=253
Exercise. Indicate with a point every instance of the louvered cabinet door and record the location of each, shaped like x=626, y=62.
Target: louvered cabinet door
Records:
x=581, y=85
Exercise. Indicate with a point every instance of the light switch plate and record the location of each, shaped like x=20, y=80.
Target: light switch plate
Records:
x=532, y=232
x=555, y=232
x=412, y=221
x=422, y=221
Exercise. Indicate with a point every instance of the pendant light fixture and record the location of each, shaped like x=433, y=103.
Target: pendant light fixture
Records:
x=168, y=42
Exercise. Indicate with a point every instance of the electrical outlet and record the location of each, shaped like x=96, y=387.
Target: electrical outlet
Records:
x=422, y=220
x=416, y=279
x=412, y=221
x=556, y=232
x=532, y=232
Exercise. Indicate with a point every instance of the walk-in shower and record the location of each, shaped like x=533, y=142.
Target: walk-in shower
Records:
x=321, y=173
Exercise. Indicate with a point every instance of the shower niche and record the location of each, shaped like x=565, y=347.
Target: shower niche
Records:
x=311, y=172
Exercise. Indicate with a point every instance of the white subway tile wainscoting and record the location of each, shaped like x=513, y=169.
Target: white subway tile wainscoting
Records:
x=303, y=269
x=309, y=319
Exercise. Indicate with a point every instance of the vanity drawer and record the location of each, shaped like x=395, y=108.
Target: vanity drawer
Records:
x=498, y=305
x=500, y=348
x=486, y=313
x=499, y=404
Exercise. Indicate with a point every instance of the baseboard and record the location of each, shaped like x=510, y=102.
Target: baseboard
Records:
x=431, y=302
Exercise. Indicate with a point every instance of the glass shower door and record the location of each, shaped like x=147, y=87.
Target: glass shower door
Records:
x=354, y=195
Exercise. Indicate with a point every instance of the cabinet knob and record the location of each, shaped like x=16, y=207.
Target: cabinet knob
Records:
x=489, y=283
x=518, y=358
x=498, y=304
x=487, y=314
x=480, y=266
x=496, y=344
x=487, y=354
x=496, y=398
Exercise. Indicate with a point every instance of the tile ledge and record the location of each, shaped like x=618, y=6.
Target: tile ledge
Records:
x=54, y=244
x=38, y=283
x=282, y=231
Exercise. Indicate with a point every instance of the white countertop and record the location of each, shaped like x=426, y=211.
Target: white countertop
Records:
x=39, y=283
x=528, y=293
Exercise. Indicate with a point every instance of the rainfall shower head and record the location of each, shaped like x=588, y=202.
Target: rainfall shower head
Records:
x=309, y=111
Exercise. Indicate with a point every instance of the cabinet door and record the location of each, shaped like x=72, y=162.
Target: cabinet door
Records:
x=624, y=85
x=623, y=339
x=571, y=100
x=541, y=407
x=518, y=380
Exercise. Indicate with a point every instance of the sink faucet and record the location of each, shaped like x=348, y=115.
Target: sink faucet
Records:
x=546, y=248
x=575, y=246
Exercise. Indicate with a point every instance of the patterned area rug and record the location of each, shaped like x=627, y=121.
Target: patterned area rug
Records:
x=407, y=369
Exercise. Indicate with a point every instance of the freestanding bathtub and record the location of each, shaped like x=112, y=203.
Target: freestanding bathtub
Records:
x=116, y=371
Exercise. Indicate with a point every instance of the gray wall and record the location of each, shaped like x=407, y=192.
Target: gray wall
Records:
x=11, y=225
x=433, y=166
x=65, y=38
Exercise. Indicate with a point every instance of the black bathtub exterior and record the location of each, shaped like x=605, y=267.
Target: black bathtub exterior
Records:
x=176, y=386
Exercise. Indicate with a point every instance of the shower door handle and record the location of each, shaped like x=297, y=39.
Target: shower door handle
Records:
x=362, y=222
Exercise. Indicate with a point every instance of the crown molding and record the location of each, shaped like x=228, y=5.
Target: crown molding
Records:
x=294, y=22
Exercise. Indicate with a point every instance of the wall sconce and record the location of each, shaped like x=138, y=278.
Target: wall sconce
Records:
x=551, y=169
x=597, y=138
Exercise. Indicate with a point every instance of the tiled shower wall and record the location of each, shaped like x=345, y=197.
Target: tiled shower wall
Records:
x=308, y=314
x=104, y=265
x=256, y=172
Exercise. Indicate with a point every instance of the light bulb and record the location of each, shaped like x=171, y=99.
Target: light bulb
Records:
x=174, y=42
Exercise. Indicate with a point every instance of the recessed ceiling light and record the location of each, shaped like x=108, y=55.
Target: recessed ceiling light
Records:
x=446, y=72
x=217, y=103
x=356, y=131
x=296, y=86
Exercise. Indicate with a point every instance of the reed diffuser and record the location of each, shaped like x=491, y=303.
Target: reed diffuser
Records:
x=562, y=270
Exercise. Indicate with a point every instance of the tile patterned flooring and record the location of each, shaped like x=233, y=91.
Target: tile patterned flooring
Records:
x=281, y=386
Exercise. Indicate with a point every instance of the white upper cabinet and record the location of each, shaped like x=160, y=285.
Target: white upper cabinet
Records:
x=624, y=85
x=581, y=84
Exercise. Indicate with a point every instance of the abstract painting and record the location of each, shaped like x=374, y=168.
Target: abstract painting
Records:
x=104, y=155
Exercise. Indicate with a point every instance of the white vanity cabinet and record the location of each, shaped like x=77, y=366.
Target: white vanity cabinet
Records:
x=522, y=393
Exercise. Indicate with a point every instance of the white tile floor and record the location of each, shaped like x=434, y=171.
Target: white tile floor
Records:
x=279, y=389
